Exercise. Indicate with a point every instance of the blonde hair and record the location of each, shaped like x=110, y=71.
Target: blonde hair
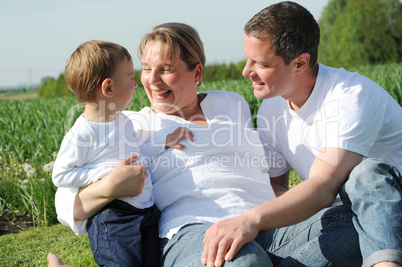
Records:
x=90, y=64
x=177, y=41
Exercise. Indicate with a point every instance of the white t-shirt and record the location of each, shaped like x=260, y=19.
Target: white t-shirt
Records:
x=345, y=110
x=91, y=150
x=222, y=174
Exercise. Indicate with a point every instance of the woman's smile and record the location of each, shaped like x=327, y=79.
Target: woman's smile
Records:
x=161, y=94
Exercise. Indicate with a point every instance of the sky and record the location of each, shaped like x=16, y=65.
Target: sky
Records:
x=37, y=37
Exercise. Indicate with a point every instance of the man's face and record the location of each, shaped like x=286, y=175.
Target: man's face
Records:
x=268, y=72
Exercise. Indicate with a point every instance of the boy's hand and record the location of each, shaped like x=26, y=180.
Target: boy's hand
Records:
x=172, y=140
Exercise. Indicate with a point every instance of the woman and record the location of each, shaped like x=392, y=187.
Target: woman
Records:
x=221, y=174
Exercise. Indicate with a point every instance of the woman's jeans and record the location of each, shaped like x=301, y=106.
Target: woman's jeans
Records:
x=332, y=237
x=122, y=235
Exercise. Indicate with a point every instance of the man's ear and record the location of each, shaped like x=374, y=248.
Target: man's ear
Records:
x=107, y=87
x=301, y=62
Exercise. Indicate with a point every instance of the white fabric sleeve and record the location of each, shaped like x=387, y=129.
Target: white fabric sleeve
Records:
x=246, y=113
x=64, y=201
x=355, y=124
x=278, y=164
x=68, y=169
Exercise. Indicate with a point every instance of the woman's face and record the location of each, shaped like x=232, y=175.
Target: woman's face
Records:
x=170, y=86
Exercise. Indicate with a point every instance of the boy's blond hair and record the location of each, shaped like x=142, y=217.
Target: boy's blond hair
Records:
x=90, y=64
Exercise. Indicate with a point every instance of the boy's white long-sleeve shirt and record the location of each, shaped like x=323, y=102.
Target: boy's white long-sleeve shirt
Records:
x=91, y=150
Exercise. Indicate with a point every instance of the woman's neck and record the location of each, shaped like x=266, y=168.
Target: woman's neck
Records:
x=192, y=113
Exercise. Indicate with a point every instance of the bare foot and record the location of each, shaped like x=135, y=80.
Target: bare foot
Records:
x=54, y=261
x=387, y=264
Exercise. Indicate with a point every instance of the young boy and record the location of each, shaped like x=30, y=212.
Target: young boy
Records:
x=125, y=231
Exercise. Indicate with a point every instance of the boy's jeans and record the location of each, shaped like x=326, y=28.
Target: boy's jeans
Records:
x=122, y=235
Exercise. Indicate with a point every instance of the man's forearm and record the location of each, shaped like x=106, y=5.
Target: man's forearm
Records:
x=294, y=206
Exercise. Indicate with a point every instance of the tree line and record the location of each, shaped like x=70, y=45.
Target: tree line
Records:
x=51, y=87
x=353, y=33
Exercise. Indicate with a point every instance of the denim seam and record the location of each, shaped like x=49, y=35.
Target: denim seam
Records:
x=107, y=237
x=300, y=231
x=296, y=257
x=95, y=239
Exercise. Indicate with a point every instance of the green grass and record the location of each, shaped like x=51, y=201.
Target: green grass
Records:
x=30, y=247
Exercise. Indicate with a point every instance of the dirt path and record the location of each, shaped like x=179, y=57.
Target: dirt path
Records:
x=19, y=97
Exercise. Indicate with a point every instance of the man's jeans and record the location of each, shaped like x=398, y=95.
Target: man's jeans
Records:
x=122, y=235
x=374, y=193
x=328, y=238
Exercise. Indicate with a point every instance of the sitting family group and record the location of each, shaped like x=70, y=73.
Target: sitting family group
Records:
x=190, y=182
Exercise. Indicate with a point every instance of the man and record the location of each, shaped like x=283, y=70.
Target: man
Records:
x=321, y=122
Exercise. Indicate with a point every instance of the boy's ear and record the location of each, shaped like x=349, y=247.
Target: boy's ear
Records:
x=106, y=87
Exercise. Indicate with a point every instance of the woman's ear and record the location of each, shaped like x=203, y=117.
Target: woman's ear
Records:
x=198, y=72
x=107, y=87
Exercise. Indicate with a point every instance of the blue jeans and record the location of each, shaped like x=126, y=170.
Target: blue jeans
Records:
x=332, y=237
x=326, y=239
x=374, y=193
x=122, y=235
x=185, y=249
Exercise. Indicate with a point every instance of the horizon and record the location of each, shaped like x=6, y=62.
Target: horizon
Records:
x=36, y=39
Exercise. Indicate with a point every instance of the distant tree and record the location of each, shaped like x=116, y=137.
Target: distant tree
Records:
x=62, y=88
x=45, y=88
x=361, y=32
x=51, y=87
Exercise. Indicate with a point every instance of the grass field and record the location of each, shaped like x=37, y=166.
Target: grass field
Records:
x=31, y=131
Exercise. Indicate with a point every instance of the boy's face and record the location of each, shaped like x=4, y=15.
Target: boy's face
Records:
x=124, y=84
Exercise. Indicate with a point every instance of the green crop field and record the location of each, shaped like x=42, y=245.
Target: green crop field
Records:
x=30, y=135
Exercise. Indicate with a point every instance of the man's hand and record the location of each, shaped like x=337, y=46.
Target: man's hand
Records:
x=225, y=238
x=172, y=140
